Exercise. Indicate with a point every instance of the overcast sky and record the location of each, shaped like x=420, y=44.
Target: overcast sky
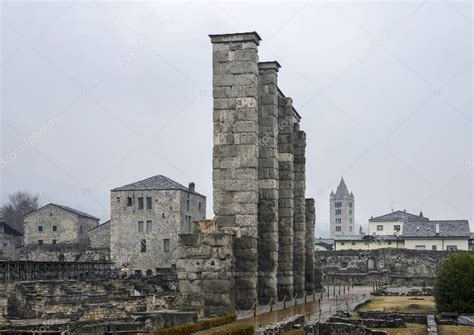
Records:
x=96, y=95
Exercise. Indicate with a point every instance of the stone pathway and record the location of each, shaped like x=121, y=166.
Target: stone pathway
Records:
x=311, y=310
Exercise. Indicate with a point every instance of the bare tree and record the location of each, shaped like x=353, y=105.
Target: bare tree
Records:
x=19, y=204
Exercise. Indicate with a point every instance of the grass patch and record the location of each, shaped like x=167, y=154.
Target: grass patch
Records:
x=295, y=332
x=400, y=304
x=202, y=325
x=455, y=330
x=411, y=329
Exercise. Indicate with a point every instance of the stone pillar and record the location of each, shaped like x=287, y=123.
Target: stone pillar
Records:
x=267, y=181
x=235, y=156
x=309, y=258
x=299, y=218
x=285, y=200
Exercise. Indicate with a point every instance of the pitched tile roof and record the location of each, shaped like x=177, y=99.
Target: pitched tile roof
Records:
x=75, y=211
x=342, y=190
x=66, y=208
x=8, y=229
x=399, y=215
x=427, y=229
x=158, y=182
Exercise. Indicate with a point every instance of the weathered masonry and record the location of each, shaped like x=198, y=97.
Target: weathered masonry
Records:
x=259, y=185
x=146, y=218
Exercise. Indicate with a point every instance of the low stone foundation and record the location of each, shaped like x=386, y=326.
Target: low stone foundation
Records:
x=405, y=317
x=328, y=328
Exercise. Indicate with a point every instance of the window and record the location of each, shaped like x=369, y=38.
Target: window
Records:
x=451, y=247
x=143, y=246
x=148, y=203
x=389, y=242
x=338, y=228
x=140, y=202
x=350, y=220
x=199, y=205
x=50, y=214
x=338, y=220
x=55, y=228
x=350, y=211
x=40, y=242
x=166, y=245
x=40, y=228
x=350, y=228
x=140, y=226
x=420, y=247
x=163, y=215
x=353, y=242
x=379, y=227
x=118, y=199
x=396, y=227
x=350, y=204
x=433, y=247
x=54, y=242
x=6, y=242
x=338, y=204
x=342, y=243
x=149, y=226
x=129, y=201
x=187, y=205
x=80, y=229
x=338, y=212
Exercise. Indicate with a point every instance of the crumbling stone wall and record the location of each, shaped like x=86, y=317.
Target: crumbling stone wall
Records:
x=396, y=266
x=63, y=252
x=99, y=237
x=205, y=271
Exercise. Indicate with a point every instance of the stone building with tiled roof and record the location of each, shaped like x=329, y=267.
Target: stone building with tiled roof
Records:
x=146, y=218
x=392, y=223
x=57, y=224
x=8, y=234
x=437, y=235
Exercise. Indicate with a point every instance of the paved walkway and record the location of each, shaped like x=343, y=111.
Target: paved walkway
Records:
x=311, y=310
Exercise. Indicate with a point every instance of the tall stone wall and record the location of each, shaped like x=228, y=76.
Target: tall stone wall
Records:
x=258, y=177
x=235, y=163
x=299, y=217
x=286, y=196
x=267, y=181
x=310, y=284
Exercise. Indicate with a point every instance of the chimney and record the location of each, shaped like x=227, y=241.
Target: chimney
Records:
x=191, y=187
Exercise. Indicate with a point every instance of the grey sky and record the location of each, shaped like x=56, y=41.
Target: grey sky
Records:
x=100, y=94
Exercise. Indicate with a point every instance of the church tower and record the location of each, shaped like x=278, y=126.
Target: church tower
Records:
x=341, y=211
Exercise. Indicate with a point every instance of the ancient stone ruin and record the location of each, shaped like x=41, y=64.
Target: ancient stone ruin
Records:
x=260, y=246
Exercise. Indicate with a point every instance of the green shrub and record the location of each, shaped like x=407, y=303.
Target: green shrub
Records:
x=198, y=326
x=454, y=284
x=236, y=330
